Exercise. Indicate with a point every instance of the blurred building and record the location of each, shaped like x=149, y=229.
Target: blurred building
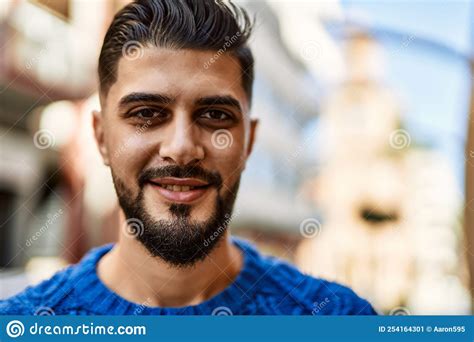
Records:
x=387, y=232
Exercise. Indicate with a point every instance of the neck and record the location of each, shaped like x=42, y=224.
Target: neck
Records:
x=131, y=272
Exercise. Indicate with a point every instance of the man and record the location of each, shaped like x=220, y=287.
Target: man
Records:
x=175, y=89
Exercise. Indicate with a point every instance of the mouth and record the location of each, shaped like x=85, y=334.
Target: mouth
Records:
x=180, y=190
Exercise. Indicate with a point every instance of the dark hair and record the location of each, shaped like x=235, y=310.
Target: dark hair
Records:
x=211, y=25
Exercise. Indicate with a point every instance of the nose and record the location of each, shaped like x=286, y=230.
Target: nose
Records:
x=181, y=144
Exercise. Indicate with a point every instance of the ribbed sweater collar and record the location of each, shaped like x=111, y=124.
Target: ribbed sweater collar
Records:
x=102, y=301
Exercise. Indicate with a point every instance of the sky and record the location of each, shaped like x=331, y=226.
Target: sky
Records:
x=430, y=73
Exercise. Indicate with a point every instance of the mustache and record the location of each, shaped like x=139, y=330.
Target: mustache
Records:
x=187, y=171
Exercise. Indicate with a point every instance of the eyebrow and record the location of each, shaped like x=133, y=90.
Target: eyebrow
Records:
x=145, y=97
x=223, y=100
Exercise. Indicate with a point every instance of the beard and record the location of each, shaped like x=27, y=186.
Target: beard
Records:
x=179, y=240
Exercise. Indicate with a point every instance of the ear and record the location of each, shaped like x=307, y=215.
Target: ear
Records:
x=98, y=124
x=253, y=132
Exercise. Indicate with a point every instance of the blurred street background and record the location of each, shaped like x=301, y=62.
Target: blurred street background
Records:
x=363, y=170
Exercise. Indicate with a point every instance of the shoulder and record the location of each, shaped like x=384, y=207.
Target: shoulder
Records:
x=290, y=291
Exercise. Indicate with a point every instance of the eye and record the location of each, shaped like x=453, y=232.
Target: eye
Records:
x=217, y=115
x=149, y=113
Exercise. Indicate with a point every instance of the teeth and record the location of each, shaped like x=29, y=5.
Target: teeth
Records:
x=177, y=187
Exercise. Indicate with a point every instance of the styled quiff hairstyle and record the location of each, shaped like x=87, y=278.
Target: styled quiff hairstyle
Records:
x=209, y=25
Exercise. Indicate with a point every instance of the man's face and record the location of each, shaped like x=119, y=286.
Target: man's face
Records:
x=176, y=136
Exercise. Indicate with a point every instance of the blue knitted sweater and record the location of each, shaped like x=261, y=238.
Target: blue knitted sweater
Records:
x=265, y=286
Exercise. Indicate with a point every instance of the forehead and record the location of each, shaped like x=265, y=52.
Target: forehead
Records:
x=182, y=74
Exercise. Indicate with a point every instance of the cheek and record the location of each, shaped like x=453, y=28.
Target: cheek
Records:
x=229, y=161
x=128, y=153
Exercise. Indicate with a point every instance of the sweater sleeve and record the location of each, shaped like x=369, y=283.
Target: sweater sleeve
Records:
x=17, y=305
x=36, y=299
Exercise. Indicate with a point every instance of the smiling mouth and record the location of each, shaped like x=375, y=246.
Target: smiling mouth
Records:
x=182, y=190
x=178, y=188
